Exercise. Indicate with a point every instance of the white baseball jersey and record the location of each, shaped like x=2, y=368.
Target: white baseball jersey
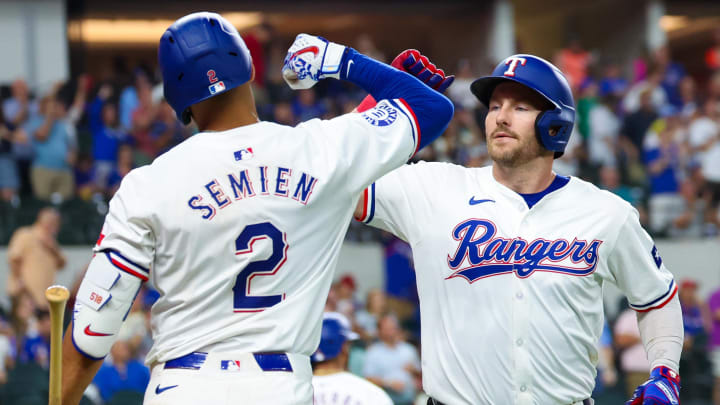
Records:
x=240, y=230
x=511, y=297
x=347, y=389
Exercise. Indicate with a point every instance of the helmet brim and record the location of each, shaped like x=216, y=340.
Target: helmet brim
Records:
x=483, y=87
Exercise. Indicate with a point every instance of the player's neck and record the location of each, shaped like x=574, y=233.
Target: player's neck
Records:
x=227, y=111
x=532, y=177
x=332, y=366
x=327, y=370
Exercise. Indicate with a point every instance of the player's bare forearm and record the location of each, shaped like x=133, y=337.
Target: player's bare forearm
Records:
x=77, y=371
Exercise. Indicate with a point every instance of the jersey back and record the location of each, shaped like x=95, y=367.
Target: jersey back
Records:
x=240, y=230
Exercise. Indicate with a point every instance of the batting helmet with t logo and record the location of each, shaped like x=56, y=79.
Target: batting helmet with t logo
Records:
x=548, y=81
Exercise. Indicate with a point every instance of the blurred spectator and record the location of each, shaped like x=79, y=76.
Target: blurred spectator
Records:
x=704, y=141
x=7, y=352
x=459, y=92
x=392, y=363
x=20, y=106
x=107, y=135
x=672, y=74
x=84, y=177
x=9, y=177
x=306, y=106
x=400, y=284
x=633, y=360
x=607, y=374
x=142, y=118
x=574, y=61
x=124, y=165
x=54, y=141
x=283, y=114
x=588, y=92
x=129, y=99
x=22, y=318
x=166, y=131
x=632, y=136
x=332, y=384
x=346, y=303
x=694, y=360
x=603, y=133
x=36, y=344
x=712, y=55
x=610, y=181
x=714, y=307
x=256, y=40
x=662, y=157
x=569, y=163
x=34, y=257
x=612, y=82
x=367, y=318
x=688, y=105
x=121, y=372
x=634, y=101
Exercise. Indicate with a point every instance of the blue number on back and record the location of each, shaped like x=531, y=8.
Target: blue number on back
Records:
x=242, y=300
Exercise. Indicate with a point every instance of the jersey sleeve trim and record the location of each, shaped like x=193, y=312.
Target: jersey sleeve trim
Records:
x=368, y=205
x=659, y=302
x=404, y=107
x=127, y=265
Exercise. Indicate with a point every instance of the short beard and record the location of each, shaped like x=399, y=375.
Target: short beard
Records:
x=526, y=151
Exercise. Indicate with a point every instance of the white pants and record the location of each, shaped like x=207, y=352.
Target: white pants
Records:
x=246, y=384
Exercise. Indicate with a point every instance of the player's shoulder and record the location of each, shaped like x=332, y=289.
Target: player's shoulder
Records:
x=442, y=170
x=369, y=389
x=596, y=199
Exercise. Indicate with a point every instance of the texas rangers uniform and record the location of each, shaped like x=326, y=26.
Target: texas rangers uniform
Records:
x=240, y=232
x=511, y=296
x=347, y=389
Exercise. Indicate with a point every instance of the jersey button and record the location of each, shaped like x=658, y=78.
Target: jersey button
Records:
x=523, y=388
x=519, y=295
x=519, y=342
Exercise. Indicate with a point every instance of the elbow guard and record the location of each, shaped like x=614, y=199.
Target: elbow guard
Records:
x=103, y=301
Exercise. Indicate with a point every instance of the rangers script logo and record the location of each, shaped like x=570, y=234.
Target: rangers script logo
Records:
x=480, y=254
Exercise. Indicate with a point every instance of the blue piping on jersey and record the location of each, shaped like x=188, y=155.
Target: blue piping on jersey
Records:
x=557, y=183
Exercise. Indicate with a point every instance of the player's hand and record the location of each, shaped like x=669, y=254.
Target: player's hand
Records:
x=663, y=388
x=311, y=59
x=413, y=62
x=418, y=65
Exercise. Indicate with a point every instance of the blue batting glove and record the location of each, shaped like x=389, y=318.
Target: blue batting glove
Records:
x=663, y=388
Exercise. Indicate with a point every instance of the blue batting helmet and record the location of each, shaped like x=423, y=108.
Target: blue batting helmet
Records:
x=201, y=55
x=547, y=80
x=335, y=332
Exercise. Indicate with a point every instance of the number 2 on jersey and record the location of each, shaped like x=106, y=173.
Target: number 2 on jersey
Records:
x=242, y=300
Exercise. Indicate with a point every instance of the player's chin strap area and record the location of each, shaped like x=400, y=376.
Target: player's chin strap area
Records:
x=589, y=401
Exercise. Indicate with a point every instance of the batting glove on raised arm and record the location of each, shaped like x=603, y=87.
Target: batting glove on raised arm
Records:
x=418, y=65
x=311, y=59
x=663, y=388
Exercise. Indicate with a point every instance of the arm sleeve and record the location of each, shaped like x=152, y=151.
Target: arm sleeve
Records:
x=637, y=268
x=431, y=110
x=128, y=226
x=662, y=333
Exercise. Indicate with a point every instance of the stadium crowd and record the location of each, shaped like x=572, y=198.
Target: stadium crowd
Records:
x=648, y=132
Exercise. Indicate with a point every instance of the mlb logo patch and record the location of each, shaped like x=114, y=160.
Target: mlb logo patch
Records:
x=230, y=365
x=217, y=87
x=243, y=154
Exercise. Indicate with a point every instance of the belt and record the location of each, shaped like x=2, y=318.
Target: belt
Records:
x=267, y=362
x=589, y=401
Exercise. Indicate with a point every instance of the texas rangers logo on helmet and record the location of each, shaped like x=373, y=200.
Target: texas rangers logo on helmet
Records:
x=487, y=255
x=513, y=62
x=382, y=115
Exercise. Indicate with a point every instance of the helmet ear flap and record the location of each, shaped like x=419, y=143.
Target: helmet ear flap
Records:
x=558, y=120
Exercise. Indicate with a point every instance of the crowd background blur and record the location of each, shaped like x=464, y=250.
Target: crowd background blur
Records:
x=648, y=130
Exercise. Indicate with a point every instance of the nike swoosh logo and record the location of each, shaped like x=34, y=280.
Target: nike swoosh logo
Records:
x=314, y=49
x=93, y=333
x=159, y=390
x=473, y=201
x=348, y=69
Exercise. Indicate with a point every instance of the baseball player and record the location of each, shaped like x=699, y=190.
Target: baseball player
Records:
x=240, y=226
x=511, y=259
x=332, y=384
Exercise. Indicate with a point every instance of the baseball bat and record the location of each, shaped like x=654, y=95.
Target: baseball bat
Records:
x=57, y=296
